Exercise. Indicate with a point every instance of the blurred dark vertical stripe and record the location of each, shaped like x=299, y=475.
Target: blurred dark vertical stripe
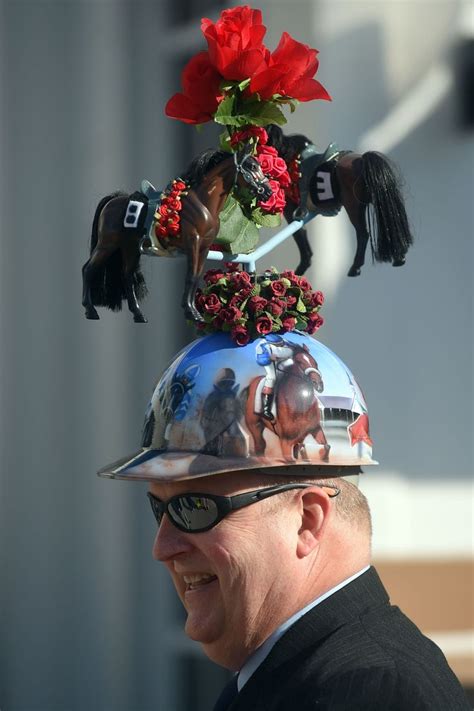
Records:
x=82, y=89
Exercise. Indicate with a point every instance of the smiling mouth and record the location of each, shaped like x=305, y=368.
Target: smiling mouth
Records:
x=193, y=582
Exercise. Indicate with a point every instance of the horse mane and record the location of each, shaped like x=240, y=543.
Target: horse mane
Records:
x=202, y=164
x=287, y=146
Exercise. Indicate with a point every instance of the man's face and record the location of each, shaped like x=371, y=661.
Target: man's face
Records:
x=237, y=580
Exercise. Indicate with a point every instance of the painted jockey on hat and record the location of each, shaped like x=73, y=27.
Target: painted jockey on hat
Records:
x=274, y=354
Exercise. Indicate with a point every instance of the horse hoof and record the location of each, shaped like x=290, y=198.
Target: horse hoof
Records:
x=353, y=272
x=92, y=315
x=324, y=454
x=139, y=318
x=398, y=262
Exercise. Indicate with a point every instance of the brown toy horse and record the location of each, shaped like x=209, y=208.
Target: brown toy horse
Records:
x=297, y=409
x=112, y=273
x=356, y=182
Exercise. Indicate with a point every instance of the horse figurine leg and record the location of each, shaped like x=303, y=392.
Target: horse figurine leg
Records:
x=193, y=273
x=90, y=271
x=301, y=239
x=131, y=258
x=357, y=218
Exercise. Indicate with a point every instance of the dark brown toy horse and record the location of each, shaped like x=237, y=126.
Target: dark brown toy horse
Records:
x=297, y=409
x=354, y=182
x=112, y=273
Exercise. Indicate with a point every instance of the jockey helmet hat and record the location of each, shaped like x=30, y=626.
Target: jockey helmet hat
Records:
x=206, y=414
x=195, y=427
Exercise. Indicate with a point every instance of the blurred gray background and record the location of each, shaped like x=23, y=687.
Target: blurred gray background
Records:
x=87, y=619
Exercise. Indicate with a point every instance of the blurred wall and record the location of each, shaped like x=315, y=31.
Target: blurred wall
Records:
x=87, y=620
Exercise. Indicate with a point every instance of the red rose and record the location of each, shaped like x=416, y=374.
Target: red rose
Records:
x=245, y=292
x=266, y=163
x=304, y=284
x=278, y=287
x=160, y=231
x=268, y=149
x=211, y=304
x=257, y=132
x=274, y=308
x=240, y=280
x=232, y=266
x=172, y=229
x=290, y=72
x=317, y=298
x=173, y=203
x=284, y=177
x=289, y=274
x=315, y=321
x=230, y=314
x=199, y=100
x=276, y=202
x=213, y=276
x=240, y=335
x=263, y=325
x=289, y=323
x=179, y=185
x=256, y=303
x=235, y=42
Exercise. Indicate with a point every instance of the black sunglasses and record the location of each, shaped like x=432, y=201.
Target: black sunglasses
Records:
x=195, y=513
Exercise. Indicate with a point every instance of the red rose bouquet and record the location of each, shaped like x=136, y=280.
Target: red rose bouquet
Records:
x=247, y=306
x=238, y=80
x=239, y=83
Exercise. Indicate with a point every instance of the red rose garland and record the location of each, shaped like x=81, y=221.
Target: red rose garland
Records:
x=273, y=166
x=247, y=307
x=167, y=218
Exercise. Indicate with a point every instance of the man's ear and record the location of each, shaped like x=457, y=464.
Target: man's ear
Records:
x=315, y=506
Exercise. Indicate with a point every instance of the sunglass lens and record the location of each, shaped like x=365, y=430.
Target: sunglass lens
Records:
x=193, y=513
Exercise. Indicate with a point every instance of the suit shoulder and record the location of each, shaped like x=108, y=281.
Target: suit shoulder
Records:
x=379, y=658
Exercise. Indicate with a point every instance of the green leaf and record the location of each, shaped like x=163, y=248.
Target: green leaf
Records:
x=261, y=113
x=244, y=84
x=264, y=219
x=224, y=113
x=237, y=232
x=300, y=307
x=292, y=103
x=224, y=142
x=300, y=325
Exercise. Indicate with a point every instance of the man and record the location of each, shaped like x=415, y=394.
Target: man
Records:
x=270, y=554
x=281, y=591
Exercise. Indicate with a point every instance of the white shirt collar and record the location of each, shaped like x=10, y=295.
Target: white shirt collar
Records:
x=254, y=661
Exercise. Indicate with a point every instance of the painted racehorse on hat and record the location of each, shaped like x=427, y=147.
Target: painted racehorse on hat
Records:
x=298, y=411
x=112, y=272
x=325, y=182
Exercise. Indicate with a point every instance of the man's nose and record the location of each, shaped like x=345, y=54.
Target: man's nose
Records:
x=169, y=542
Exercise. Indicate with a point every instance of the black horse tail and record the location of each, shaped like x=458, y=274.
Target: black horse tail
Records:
x=108, y=286
x=387, y=222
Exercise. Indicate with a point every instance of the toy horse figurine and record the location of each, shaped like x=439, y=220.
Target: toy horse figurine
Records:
x=322, y=183
x=112, y=273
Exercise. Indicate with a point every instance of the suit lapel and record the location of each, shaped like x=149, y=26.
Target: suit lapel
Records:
x=363, y=594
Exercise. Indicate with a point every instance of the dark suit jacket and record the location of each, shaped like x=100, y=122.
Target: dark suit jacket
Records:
x=353, y=652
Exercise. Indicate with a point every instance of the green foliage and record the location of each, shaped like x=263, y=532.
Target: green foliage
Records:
x=232, y=112
x=265, y=219
x=237, y=233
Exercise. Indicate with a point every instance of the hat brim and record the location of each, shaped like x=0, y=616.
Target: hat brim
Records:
x=166, y=466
